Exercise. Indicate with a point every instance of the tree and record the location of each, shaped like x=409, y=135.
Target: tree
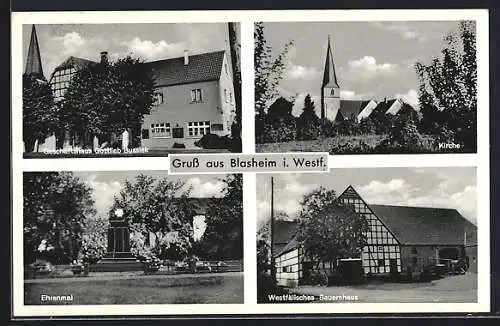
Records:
x=328, y=229
x=234, y=46
x=279, y=123
x=268, y=75
x=157, y=208
x=449, y=84
x=55, y=208
x=39, y=114
x=223, y=237
x=106, y=99
x=308, y=123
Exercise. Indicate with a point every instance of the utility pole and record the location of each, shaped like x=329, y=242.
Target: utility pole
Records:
x=273, y=265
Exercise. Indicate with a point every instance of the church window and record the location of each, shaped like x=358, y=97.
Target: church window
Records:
x=332, y=91
x=226, y=98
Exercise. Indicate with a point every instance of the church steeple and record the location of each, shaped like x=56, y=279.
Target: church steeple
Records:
x=329, y=76
x=33, y=60
x=330, y=89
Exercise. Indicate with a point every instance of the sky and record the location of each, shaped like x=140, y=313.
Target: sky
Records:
x=445, y=187
x=147, y=41
x=373, y=60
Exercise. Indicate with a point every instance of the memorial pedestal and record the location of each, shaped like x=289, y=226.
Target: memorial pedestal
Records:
x=118, y=258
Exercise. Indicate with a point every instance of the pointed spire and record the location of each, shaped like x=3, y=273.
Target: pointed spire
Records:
x=329, y=76
x=33, y=60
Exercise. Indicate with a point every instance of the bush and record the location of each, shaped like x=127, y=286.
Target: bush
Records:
x=266, y=285
x=93, y=248
x=179, y=145
x=350, y=148
x=328, y=129
x=279, y=131
x=213, y=141
x=317, y=278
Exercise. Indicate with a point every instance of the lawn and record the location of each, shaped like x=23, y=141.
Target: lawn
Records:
x=156, y=289
x=452, y=289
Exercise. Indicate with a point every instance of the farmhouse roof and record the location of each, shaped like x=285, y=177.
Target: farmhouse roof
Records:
x=424, y=225
x=74, y=62
x=384, y=105
x=351, y=108
x=201, y=67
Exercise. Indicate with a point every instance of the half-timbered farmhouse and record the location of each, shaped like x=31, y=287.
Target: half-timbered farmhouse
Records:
x=401, y=240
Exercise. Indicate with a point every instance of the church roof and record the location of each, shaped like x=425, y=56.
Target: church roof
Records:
x=351, y=108
x=329, y=75
x=201, y=67
x=33, y=60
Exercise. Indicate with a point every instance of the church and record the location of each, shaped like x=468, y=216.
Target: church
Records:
x=401, y=240
x=194, y=96
x=335, y=109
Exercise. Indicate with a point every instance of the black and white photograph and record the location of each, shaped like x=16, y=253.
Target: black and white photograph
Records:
x=375, y=87
x=107, y=90
x=131, y=237
x=399, y=235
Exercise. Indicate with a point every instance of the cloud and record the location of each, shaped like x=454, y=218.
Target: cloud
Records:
x=378, y=192
x=410, y=97
x=296, y=72
x=71, y=43
x=405, y=31
x=149, y=50
x=103, y=193
x=203, y=189
x=346, y=94
x=367, y=68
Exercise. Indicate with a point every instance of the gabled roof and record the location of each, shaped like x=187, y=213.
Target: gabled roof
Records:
x=292, y=244
x=329, y=75
x=201, y=67
x=33, y=60
x=424, y=225
x=74, y=62
x=283, y=231
x=384, y=105
x=351, y=108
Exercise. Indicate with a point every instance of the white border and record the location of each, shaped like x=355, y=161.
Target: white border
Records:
x=481, y=160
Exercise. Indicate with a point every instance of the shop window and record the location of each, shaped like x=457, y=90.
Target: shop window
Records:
x=198, y=128
x=161, y=130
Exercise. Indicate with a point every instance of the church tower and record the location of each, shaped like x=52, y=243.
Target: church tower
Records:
x=33, y=60
x=330, y=89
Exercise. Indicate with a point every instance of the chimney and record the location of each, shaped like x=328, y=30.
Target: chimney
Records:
x=385, y=99
x=104, y=57
x=186, y=57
